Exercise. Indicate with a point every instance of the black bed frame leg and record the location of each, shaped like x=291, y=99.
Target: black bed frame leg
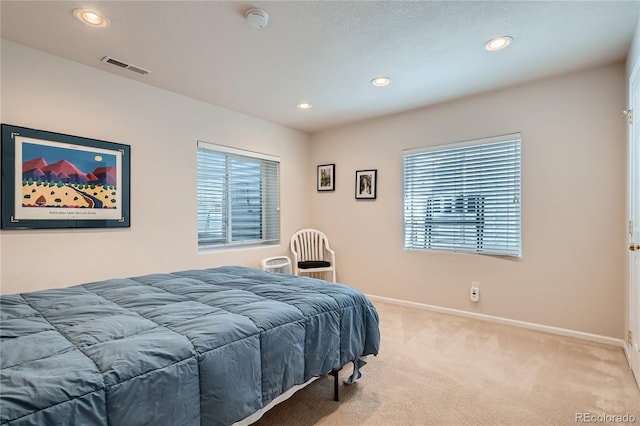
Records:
x=336, y=394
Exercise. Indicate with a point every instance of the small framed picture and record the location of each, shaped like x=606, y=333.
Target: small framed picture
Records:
x=366, y=181
x=326, y=177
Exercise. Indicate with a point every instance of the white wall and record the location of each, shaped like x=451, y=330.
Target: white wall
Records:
x=50, y=93
x=571, y=273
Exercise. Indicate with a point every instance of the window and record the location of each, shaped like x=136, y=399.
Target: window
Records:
x=464, y=197
x=238, y=197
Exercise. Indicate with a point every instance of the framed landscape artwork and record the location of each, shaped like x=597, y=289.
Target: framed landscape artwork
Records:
x=326, y=177
x=366, y=182
x=53, y=180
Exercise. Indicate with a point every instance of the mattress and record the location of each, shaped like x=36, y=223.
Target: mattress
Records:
x=197, y=347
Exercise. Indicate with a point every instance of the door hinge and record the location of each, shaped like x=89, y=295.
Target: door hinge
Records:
x=629, y=337
x=630, y=227
x=629, y=114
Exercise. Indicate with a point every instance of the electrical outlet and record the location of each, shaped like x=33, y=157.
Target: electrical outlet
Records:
x=474, y=293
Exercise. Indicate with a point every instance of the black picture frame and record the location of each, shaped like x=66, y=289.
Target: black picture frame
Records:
x=326, y=177
x=53, y=180
x=366, y=184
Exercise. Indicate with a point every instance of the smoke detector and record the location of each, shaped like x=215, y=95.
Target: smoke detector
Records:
x=257, y=18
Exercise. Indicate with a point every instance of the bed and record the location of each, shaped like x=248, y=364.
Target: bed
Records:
x=197, y=347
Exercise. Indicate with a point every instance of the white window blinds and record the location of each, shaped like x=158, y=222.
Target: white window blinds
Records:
x=238, y=197
x=464, y=197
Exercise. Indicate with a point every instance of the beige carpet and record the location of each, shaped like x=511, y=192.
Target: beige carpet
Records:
x=438, y=369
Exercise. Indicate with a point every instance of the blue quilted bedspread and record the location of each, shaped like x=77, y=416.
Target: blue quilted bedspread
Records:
x=200, y=347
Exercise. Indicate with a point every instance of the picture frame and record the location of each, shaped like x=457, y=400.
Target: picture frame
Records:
x=54, y=180
x=326, y=177
x=366, y=184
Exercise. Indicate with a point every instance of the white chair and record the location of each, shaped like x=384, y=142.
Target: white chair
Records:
x=311, y=253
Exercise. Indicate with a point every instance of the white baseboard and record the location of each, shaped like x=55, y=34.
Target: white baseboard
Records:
x=627, y=354
x=516, y=323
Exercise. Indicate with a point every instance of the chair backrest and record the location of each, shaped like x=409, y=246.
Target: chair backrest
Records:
x=309, y=244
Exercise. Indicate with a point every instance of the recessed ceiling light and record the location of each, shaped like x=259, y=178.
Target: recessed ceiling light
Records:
x=381, y=81
x=91, y=17
x=304, y=105
x=498, y=43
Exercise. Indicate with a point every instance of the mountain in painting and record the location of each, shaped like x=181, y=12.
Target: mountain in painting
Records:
x=66, y=172
x=106, y=175
x=36, y=163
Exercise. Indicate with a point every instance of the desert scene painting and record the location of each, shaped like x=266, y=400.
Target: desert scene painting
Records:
x=68, y=178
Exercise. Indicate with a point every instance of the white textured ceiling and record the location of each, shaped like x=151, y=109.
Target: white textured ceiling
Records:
x=326, y=52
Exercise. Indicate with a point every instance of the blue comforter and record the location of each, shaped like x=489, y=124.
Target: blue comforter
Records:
x=200, y=347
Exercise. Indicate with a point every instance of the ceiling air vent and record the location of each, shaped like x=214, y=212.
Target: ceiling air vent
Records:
x=130, y=67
